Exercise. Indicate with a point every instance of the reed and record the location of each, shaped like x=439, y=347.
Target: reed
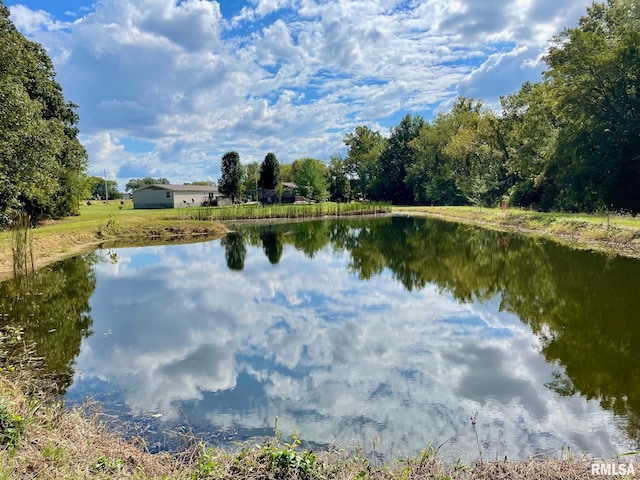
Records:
x=22, y=246
x=256, y=212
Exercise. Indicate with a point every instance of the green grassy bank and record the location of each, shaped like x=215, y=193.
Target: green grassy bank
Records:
x=610, y=233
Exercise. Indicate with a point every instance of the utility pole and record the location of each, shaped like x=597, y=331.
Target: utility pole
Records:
x=106, y=189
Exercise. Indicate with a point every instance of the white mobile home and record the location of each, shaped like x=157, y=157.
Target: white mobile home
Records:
x=175, y=196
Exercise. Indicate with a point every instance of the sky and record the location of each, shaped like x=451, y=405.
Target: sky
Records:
x=166, y=87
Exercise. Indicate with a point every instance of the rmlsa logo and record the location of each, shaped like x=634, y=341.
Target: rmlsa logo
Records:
x=612, y=469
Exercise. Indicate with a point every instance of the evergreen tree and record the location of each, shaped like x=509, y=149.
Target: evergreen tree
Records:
x=229, y=184
x=269, y=172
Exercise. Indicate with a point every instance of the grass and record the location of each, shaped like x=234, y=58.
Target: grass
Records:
x=609, y=233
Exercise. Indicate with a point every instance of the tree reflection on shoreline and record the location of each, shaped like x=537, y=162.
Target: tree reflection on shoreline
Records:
x=53, y=311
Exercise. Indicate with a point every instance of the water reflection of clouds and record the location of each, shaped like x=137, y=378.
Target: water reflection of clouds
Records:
x=408, y=366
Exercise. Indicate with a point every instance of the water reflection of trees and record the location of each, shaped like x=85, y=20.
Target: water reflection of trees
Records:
x=53, y=310
x=583, y=306
x=235, y=251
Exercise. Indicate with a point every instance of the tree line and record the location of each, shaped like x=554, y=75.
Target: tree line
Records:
x=569, y=142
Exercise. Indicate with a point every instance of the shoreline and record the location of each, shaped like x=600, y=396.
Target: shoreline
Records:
x=586, y=232
x=616, y=236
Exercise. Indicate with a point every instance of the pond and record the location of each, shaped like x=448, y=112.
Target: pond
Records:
x=389, y=334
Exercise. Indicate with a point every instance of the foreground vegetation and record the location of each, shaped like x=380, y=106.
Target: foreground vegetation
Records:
x=41, y=439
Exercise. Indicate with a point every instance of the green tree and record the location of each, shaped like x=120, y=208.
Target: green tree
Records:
x=137, y=183
x=42, y=163
x=395, y=160
x=311, y=177
x=229, y=184
x=95, y=188
x=269, y=172
x=430, y=176
x=362, y=160
x=474, y=154
x=594, y=70
x=339, y=185
x=250, y=178
x=529, y=132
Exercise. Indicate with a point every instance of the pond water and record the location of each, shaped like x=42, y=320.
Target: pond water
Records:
x=389, y=334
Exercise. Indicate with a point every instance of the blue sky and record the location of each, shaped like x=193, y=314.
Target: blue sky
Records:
x=166, y=87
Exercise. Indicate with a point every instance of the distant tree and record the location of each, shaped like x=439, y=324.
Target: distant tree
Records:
x=339, y=185
x=395, y=160
x=250, y=179
x=229, y=184
x=286, y=173
x=311, y=176
x=362, y=161
x=137, y=183
x=269, y=172
x=95, y=188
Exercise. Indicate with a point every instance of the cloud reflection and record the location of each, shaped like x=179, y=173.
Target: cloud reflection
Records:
x=333, y=356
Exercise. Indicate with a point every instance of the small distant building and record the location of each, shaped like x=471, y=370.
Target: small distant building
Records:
x=290, y=193
x=176, y=196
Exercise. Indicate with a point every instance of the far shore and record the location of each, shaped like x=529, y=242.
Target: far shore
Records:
x=117, y=224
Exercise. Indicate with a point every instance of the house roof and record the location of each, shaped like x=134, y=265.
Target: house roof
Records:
x=289, y=185
x=182, y=188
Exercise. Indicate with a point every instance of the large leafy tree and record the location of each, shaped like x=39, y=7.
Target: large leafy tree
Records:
x=311, y=177
x=42, y=163
x=474, y=154
x=594, y=73
x=269, y=172
x=229, y=184
x=430, y=177
x=395, y=159
x=339, y=185
x=361, y=164
x=528, y=133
